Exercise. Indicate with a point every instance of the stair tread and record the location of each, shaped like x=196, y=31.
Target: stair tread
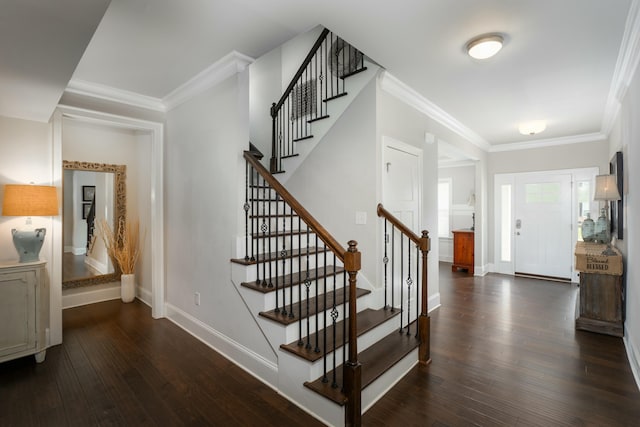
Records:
x=367, y=320
x=315, y=119
x=286, y=320
x=331, y=98
x=279, y=233
x=272, y=256
x=375, y=361
x=302, y=138
x=353, y=73
x=294, y=279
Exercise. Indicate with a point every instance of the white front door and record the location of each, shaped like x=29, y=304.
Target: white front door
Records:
x=543, y=225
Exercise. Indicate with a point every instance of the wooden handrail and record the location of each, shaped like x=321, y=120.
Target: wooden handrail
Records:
x=382, y=212
x=318, y=229
x=275, y=107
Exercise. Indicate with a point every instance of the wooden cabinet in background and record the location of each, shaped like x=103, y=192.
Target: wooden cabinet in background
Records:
x=24, y=310
x=463, y=250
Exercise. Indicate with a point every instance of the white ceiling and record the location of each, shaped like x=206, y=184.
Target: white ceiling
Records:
x=557, y=64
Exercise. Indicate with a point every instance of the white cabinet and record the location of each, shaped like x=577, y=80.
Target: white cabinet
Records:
x=24, y=310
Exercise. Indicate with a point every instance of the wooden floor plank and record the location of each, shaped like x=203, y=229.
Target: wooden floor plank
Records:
x=504, y=352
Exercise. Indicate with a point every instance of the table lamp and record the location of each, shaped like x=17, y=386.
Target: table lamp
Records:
x=29, y=200
x=606, y=190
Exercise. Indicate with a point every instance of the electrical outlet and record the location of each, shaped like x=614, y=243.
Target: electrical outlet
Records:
x=196, y=298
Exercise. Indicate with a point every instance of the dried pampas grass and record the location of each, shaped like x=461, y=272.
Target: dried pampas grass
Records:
x=123, y=245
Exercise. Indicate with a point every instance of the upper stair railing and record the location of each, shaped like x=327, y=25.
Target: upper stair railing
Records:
x=320, y=79
x=398, y=270
x=290, y=250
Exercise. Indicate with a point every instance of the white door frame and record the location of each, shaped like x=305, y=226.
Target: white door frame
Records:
x=507, y=267
x=156, y=201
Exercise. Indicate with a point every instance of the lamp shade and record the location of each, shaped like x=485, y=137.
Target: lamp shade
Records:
x=29, y=200
x=606, y=188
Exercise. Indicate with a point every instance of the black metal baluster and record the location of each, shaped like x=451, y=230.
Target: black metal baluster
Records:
x=291, y=315
x=409, y=283
x=317, y=269
x=324, y=321
x=393, y=267
x=418, y=283
x=256, y=237
x=266, y=241
x=345, y=338
x=385, y=260
x=284, y=259
x=254, y=211
x=300, y=342
x=307, y=283
x=334, y=317
x=401, y=276
x=267, y=258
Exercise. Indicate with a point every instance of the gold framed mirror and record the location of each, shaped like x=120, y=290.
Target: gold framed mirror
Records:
x=97, y=192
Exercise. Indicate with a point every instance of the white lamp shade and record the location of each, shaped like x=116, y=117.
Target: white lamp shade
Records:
x=606, y=188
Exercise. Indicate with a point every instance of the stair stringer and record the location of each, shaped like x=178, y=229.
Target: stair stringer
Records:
x=335, y=108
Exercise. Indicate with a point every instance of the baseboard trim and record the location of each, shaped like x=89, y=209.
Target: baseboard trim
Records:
x=253, y=363
x=83, y=296
x=634, y=360
x=433, y=302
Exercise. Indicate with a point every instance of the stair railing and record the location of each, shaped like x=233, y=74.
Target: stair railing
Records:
x=319, y=80
x=398, y=272
x=263, y=223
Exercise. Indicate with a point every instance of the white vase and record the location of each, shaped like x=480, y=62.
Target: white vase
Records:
x=128, y=287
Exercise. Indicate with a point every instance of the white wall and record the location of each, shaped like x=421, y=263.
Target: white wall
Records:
x=204, y=178
x=625, y=138
x=342, y=170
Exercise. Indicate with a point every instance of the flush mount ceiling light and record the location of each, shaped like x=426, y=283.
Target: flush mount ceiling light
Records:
x=484, y=47
x=532, y=128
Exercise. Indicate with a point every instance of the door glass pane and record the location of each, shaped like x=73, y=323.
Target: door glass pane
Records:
x=542, y=193
x=584, y=203
x=505, y=226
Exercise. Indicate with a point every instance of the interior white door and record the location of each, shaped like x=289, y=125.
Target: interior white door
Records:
x=401, y=191
x=543, y=225
x=401, y=185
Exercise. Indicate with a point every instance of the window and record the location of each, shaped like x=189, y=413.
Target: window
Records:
x=444, y=207
x=505, y=224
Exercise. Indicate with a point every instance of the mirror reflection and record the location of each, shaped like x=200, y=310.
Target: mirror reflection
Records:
x=92, y=193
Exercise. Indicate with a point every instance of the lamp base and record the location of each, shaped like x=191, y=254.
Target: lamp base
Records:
x=28, y=243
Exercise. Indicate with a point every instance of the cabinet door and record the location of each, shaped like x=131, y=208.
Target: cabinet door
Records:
x=463, y=248
x=17, y=312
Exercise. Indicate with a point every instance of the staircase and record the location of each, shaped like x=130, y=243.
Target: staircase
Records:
x=339, y=345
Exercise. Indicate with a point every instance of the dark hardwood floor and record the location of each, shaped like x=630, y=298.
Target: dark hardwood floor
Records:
x=504, y=352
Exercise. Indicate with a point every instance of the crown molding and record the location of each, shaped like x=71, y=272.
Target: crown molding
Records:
x=222, y=69
x=230, y=64
x=108, y=93
x=395, y=87
x=550, y=142
x=626, y=66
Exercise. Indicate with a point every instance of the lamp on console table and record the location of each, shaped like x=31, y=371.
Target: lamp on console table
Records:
x=29, y=200
x=606, y=190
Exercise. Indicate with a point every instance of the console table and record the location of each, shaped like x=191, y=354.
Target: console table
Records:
x=24, y=310
x=601, y=290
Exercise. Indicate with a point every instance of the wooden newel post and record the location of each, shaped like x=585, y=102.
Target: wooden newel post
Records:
x=353, y=369
x=424, y=322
